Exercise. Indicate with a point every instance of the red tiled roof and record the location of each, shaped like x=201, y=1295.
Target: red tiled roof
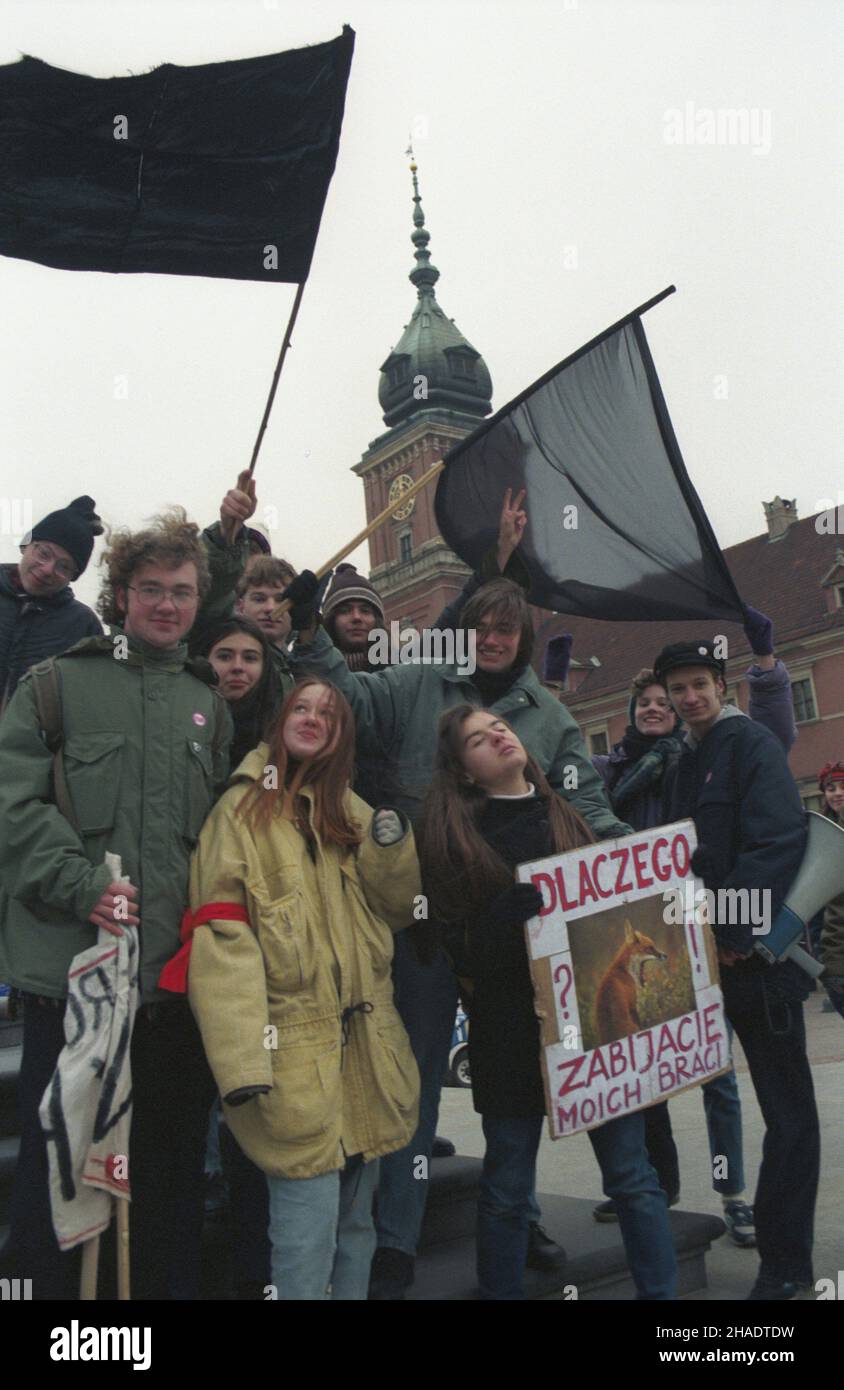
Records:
x=782, y=578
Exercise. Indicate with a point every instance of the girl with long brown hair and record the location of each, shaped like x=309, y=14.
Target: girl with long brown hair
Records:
x=490, y=808
x=296, y=887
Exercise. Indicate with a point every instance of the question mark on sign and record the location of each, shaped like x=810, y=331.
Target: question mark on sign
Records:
x=566, y=987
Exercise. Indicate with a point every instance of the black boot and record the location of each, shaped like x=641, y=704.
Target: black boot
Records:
x=391, y=1274
x=544, y=1253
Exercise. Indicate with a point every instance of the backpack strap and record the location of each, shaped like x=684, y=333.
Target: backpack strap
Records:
x=48, y=703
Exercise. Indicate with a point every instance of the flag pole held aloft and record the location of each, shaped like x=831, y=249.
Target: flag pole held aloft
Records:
x=433, y=472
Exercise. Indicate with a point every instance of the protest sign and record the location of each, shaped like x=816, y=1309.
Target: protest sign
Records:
x=626, y=979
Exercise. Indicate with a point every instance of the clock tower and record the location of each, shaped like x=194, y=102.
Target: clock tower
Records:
x=434, y=390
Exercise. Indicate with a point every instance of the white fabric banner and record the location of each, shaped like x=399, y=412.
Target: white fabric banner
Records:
x=86, y=1110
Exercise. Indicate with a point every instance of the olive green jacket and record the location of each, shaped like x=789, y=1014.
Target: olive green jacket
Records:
x=142, y=765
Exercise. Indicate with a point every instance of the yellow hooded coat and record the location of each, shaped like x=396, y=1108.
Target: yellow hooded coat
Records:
x=300, y=997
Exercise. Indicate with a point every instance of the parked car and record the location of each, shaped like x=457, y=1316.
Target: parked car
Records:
x=458, y=1057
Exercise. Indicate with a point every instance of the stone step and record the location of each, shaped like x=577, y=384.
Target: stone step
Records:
x=452, y=1200
x=597, y=1264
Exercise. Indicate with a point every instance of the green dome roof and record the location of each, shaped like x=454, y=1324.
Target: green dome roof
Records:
x=432, y=364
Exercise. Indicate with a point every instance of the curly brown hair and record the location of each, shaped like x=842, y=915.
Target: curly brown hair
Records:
x=641, y=682
x=171, y=541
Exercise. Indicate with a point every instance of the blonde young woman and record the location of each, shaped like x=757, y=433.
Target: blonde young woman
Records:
x=296, y=887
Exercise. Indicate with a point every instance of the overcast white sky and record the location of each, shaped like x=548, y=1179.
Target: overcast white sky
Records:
x=556, y=204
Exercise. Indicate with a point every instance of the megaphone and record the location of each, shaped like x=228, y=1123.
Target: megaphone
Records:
x=819, y=879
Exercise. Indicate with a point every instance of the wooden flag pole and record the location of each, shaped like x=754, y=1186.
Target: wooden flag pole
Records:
x=377, y=521
x=276, y=374
x=88, y=1272
x=123, y=1285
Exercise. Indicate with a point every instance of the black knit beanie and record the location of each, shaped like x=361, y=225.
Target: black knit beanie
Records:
x=73, y=528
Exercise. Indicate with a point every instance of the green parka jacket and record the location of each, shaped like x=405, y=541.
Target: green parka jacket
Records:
x=298, y=997
x=396, y=713
x=142, y=765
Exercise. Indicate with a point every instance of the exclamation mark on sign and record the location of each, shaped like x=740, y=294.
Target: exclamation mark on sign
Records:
x=694, y=946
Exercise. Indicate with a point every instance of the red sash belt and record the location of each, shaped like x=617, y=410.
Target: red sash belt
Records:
x=174, y=976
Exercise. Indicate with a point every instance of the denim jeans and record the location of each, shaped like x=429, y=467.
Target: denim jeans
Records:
x=506, y=1188
x=773, y=1034
x=630, y=1181
x=322, y=1233
x=722, y=1108
x=504, y=1205
x=426, y=998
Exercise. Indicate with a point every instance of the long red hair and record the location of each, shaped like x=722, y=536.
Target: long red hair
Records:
x=328, y=774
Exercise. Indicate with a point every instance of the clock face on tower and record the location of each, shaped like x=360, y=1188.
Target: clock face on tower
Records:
x=398, y=487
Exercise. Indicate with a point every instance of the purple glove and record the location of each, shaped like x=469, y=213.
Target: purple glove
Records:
x=759, y=631
x=557, y=656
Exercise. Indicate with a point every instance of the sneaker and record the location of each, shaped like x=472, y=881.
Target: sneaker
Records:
x=544, y=1253
x=739, y=1219
x=391, y=1274
x=775, y=1290
x=442, y=1148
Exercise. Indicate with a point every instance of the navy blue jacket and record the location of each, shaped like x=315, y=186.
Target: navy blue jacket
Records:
x=31, y=629
x=751, y=827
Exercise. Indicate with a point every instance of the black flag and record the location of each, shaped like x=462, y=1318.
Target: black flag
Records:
x=220, y=169
x=615, y=528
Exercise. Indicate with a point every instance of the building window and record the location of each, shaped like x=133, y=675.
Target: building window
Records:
x=462, y=365
x=598, y=741
x=839, y=595
x=405, y=547
x=804, y=701
x=397, y=372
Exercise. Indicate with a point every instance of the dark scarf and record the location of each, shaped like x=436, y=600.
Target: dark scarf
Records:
x=648, y=758
x=493, y=685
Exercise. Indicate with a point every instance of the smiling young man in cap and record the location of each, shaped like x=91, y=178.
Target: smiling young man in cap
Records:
x=733, y=781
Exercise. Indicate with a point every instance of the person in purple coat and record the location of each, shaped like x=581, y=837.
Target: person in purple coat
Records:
x=634, y=773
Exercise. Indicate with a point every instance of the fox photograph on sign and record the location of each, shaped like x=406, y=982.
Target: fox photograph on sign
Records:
x=625, y=975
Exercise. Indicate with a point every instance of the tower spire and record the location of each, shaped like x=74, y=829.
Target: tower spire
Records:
x=424, y=275
x=432, y=365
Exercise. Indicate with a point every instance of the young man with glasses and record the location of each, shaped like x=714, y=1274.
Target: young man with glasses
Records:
x=145, y=749
x=39, y=617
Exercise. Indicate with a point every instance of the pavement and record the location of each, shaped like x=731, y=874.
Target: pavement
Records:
x=568, y=1167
